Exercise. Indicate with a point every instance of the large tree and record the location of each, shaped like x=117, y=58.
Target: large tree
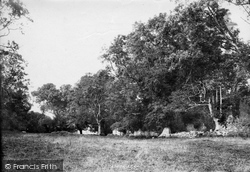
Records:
x=55, y=101
x=125, y=105
x=242, y=4
x=14, y=91
x=182, y=60
x=91, y=99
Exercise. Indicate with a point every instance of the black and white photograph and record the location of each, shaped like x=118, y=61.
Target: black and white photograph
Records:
x=125, y=85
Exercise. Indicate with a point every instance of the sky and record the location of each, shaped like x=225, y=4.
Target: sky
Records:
x=67, y=37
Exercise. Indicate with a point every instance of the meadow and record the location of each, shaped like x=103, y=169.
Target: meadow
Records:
x=99, y=153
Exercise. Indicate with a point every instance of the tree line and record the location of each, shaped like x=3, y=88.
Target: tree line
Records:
x=188, y=67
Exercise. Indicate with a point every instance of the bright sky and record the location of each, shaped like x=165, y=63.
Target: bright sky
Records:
x=67, y=37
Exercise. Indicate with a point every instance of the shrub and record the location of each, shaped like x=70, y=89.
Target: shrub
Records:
x=199, y=116
x=239, y=127
x=177, y=124
x=178, y=121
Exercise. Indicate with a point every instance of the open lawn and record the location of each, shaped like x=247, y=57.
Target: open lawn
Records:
x=96, y=153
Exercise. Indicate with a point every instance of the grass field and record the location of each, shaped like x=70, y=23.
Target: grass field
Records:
x=96, y=153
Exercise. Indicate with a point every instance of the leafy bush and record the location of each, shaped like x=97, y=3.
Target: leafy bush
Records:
x=12, y=121
x=177, y=124
x=117, y=125
x=131, y=122
x=241, y=125
x=159, y=118
x=199, y=115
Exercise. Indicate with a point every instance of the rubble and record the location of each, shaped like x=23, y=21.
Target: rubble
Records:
x=190, y=134
x=141, y=133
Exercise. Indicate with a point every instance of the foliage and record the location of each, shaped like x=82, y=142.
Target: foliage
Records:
x=90, y=102
x=39, y=123
x=241, y=125
x=161, y=117
x=14, y=85
x=186, y=67
x=179, y=62
x=125, y=105
x=11, y=12
x=244, y=4
x=56, y=101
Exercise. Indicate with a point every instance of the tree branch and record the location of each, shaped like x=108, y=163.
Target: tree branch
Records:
x=245, y=20
x=211, y=13
x=196, y=105
x=6, y=33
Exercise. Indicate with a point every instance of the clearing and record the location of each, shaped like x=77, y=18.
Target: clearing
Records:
x=96, y=153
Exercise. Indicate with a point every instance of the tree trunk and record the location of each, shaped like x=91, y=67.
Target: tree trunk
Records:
x=99, y=128
x=1, y=95
x=217, y=125
x=98, y=120
x=79, y=128
x=236, y=107
x=210, y=107
x=1, y=103
x=216, y=96
x=220, y=102
x=213, y=101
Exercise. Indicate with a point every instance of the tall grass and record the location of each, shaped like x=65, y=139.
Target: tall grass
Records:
x=94, y=153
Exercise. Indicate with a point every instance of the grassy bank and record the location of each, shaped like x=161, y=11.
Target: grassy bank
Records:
x=94, y=153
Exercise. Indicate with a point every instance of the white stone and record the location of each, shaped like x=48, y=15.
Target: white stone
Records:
x=165, y=133
x=138, y=133
x=152, y=133
x=117, y=132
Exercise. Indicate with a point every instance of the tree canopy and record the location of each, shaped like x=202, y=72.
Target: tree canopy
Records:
x=186, y=67
x=183, y=60
x=14, y=97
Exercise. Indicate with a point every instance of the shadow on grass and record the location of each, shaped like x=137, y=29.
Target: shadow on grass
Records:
x=210, y=155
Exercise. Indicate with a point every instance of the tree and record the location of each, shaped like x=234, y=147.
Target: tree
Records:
x=39, y=123
x=79, y=115
x=243, y=4
x=92, y=91
x=181, y=61
x=56, y=101
x=125, y=106
x=225, y=68
x=13, y=89
x=12, y=11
